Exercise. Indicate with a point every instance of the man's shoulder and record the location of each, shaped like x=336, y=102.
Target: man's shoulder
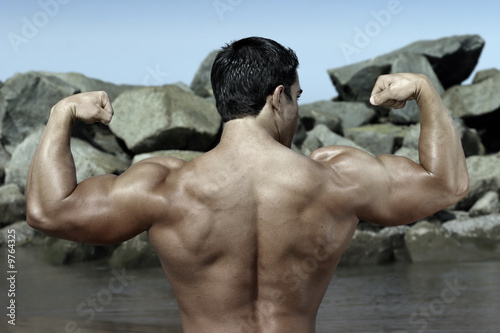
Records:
x=334, y=154
x=156, y=168
x=168, y=162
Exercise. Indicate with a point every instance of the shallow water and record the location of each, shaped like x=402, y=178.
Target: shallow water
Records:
x=397, y=298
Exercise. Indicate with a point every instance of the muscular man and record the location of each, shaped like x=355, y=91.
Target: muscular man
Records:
x=250, y=233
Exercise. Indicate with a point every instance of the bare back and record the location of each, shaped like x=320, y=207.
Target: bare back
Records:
x=250, y=243
x=250, y=233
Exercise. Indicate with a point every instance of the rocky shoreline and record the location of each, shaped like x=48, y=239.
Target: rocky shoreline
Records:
x=182, y=121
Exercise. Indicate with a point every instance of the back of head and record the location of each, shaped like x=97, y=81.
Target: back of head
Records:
x=246, y=71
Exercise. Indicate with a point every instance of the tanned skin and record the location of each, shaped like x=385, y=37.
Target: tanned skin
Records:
x=250, y=233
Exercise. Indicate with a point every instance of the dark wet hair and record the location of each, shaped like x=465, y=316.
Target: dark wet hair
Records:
x=246, y=71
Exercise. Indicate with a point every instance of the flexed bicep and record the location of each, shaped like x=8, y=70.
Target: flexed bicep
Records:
x=109, y=209
x=399, y=191
x=387, y=190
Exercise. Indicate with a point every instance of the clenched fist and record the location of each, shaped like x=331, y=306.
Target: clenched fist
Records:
x=393, y=90
x=89, y=107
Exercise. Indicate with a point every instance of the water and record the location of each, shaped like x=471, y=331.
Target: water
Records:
x=397, y=298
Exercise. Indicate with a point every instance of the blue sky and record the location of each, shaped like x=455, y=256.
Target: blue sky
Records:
x=160, y=42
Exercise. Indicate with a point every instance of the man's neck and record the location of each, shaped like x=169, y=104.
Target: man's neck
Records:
x=248, y=129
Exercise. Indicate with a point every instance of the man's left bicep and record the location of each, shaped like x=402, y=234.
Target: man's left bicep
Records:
x=100, y=212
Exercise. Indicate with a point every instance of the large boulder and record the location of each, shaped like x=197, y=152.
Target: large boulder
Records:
x=479, y=98
x=484, y=176
x=26, y=103
x=488, y=204
x=166, y=117
x=321, y=136
x=479, y=106
x=86, y=84
x=12, y=204
x=472, y=239
x=338, y=116
x=471, y=141
x=4, y=159
x=427, y=241
x=201, y=84
x=452, y=59
x=375, y=247
x=89, y=161
x=378, y=138
x=96, y=134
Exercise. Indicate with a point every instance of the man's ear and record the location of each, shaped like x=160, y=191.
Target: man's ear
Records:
x=277, y=96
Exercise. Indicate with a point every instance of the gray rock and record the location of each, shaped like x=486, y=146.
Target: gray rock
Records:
x=474, y=239
x=27, y=101
x=12, y=204
x=321, y=136
x=470, y=138
x=300, y=135
x=485, y=74
x=91, y=162
x=88, y=160
x=86, y=84
x=479, y=237
x=475, y=99
x=201, y=84
x=471, y=142
x=96, y=134
x=479, y=106
x=338, y=116
x=396, y=239
x=24, y=235
x=428, y=242
x=63, y=252
x=453, y=59
x=4, y=160
x=320, y=113
x=412, y=63
x=101, y=138
x=484, y=176
x=412, y=136
x=378, y=138
x=369, y=247
x=166, y=117
x=186, y=155
x=134, y=253
x=17, y=169
x=488, y=204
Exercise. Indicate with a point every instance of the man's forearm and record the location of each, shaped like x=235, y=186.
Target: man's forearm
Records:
x=440, y=148
x=52, y=175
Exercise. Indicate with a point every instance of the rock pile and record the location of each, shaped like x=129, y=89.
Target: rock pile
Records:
x=182, y=121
